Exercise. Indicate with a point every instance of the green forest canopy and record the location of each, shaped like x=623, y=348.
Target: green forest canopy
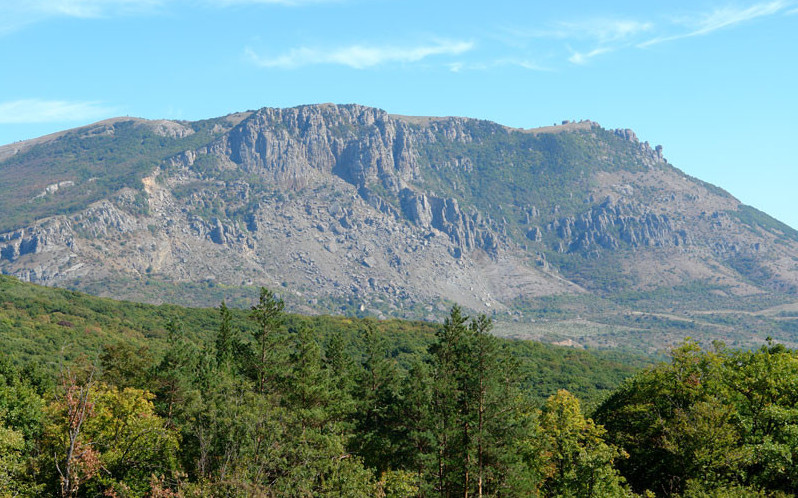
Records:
x=224, y=402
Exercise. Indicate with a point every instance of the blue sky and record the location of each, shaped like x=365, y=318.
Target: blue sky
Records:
x=712, y=81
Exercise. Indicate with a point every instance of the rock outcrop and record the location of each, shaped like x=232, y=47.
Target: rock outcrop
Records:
x=609, y=225
x=294, y=147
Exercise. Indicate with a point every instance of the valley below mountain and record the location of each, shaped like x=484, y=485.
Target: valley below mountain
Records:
x=571, y=234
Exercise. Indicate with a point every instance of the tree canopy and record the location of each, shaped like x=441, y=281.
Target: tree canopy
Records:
x=277, y=407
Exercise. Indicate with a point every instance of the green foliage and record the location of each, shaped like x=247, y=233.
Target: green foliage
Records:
x=502, y=172
x=20, y=427
x=123, y=365
x=344, y=407
x=398, y=484
x=709, y=420
x=575, y=459
x=41, y=323
x=379, y=432
x=756, y=218
x=268, y=314
x=226, y=340
x=185, y=402
x=12, y=463
x=134, y=443
x=106, y=439
x=475, y=410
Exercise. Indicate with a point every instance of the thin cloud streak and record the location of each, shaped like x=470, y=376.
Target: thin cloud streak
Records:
x=532, y=66
x=285, y=3
x=358, y=56
x=607, y=35
x=457, y=67
x=604, y=34
x=580, y=58
x=88, y=8
x=26, y=12
x=721, y=18
x=27, y=111
x=603, y=30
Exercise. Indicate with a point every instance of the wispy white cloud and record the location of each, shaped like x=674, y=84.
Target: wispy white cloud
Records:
x=601, y=30
x=602, y=35
x=582, y=57
x=287, y=3
x=524, y=63
x=359, y=56
x=720, y=18
x=88, y=8
x=729, y=16
x=457, y=67
x=589, y=38
x=51, y=111
x=21, y=13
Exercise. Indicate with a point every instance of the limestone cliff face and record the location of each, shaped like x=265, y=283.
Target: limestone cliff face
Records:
x=351, y=204
x=294, y=147
x=366, y=147
x=466, y=231
x=608, y=226
x=42, y=238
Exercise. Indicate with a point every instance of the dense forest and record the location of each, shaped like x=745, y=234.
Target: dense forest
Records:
x=285, y=408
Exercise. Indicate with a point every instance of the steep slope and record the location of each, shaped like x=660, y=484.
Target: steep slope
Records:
x=349, y=208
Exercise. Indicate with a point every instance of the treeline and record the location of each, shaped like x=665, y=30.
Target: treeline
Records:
x=42, y=324
x=278, y=411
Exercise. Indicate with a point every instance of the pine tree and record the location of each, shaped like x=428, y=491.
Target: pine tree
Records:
x=418, y=438
x=475, y=407
x=315, y=460
x=176, y=374
x=446, y=397
x=268, y=314
x=225, y=340
x=377, y=426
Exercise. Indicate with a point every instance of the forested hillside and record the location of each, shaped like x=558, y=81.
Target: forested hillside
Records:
x=124, y=399
x=98, y=396
x=43, y=326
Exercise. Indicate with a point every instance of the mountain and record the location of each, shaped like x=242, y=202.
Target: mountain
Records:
x=571, y=233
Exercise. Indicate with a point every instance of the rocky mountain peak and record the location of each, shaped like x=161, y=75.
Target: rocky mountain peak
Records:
x=295, y=147
x=349, y=204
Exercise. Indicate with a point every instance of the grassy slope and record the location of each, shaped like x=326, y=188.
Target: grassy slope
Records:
x=512, y=171
x=98, y=164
